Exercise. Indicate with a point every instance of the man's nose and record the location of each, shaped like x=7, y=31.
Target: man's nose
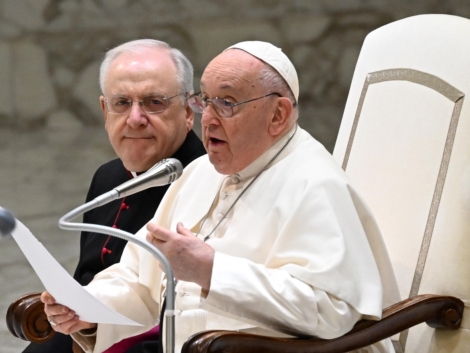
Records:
x=210, y=116
x=137, y=116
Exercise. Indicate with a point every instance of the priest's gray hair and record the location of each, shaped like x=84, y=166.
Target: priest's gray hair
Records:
x=184, y=67
x=274, y=82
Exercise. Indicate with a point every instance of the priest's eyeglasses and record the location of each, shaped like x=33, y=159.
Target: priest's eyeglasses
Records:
x=155, y=103
x=222, y=106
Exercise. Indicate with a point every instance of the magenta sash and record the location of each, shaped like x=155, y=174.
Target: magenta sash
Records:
x=129, y=342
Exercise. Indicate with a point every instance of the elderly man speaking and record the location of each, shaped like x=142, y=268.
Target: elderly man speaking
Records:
x=265, y=234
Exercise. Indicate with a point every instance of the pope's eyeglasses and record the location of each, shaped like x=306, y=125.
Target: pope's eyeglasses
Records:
x=222, y=106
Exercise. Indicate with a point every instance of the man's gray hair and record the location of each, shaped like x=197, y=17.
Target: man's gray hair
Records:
x=273, y=82
x=184, y=67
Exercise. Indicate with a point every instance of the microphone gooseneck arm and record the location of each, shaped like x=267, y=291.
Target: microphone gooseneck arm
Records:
x=163, y=173
x=65, y=223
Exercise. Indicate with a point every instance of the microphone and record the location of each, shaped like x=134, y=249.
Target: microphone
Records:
x=7, y=223
x=164, y=172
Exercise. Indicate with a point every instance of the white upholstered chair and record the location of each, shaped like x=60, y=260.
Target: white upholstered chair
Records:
x=405, y=143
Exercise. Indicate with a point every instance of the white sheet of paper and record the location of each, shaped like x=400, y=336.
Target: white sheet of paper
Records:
x=61, y=285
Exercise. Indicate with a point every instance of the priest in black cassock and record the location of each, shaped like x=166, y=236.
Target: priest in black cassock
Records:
x=145, y=84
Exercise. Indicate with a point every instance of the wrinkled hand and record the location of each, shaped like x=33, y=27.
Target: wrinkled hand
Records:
x=65, y=319
x=190, y=258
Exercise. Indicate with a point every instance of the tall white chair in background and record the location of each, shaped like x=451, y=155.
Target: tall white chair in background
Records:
x=405, y=143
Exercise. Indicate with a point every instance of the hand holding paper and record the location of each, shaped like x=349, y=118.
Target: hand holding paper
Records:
x=61, y=318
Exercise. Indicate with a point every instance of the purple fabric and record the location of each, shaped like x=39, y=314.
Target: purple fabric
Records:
x=129, y=342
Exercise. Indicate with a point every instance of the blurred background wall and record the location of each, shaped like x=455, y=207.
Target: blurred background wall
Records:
x=50, y=50
x=51, y=129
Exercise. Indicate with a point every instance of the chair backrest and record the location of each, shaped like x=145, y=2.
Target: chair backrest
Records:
x=405, y=143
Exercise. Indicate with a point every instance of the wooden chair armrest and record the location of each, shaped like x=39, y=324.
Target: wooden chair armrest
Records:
x=440, y=312
x=27, y=320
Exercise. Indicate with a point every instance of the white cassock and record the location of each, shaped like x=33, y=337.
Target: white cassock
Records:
x=300, y=253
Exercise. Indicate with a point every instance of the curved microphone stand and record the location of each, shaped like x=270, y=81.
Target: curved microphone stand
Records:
x=167, y=171
x=65, y=223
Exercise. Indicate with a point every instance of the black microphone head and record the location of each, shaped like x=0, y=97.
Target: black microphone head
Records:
x=7, y=222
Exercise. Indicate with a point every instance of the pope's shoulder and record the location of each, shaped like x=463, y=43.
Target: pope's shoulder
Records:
x=309, y=159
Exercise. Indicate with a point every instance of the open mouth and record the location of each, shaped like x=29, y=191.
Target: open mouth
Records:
x=215, y=141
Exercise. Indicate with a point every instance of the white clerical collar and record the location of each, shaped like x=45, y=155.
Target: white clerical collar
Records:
x=134, y=174
x=259, y=163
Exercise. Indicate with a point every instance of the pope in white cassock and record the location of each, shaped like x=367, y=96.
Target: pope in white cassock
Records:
x=265, y=234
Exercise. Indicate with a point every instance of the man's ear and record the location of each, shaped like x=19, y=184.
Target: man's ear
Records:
x=103, y=109
x=281, y=116
x=189, y=117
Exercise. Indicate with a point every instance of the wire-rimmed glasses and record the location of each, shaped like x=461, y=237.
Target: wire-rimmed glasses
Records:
x=222, y=106
x=155, y=103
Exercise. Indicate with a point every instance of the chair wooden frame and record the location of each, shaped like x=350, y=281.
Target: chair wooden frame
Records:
x=26, y=320
x=440, y=312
